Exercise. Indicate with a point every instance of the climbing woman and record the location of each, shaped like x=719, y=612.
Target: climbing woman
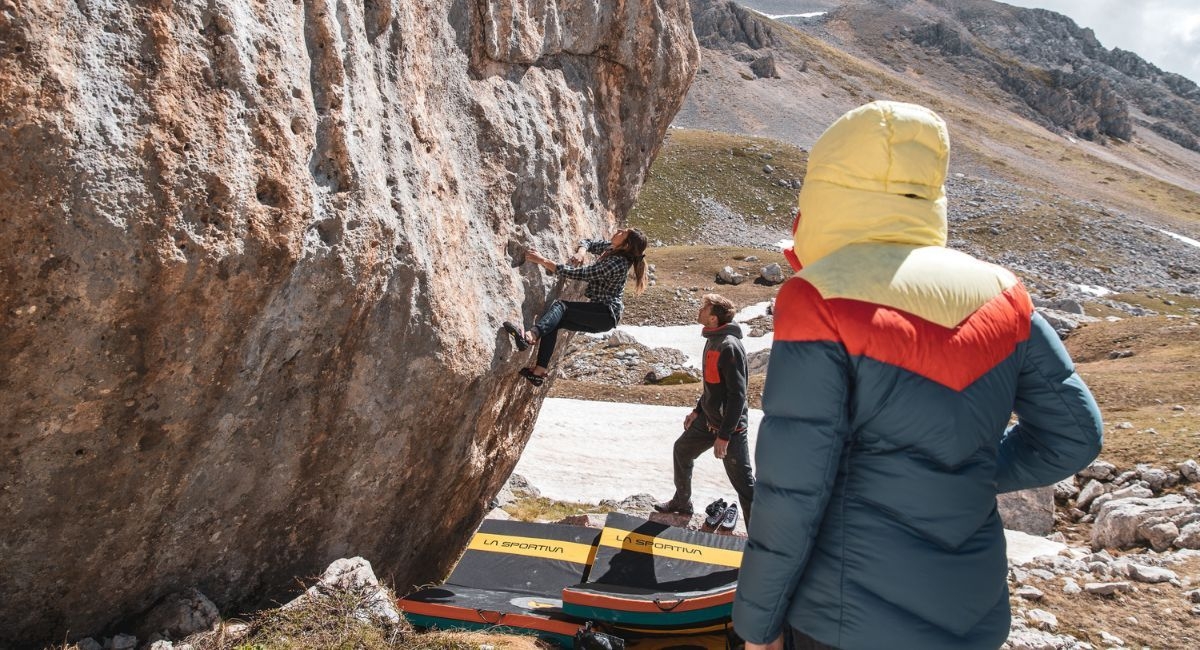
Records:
x=605, y=283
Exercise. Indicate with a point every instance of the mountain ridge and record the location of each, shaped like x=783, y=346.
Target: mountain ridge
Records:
x=858, y=52
x=1067, y=213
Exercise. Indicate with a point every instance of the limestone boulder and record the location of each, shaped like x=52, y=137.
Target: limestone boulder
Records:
x=179, y=615
x=353, y=576
x=1029, y=511
x=1118, y=520
x=256, y=257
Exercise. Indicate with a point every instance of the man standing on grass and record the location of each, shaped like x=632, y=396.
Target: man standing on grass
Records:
x=719, y=420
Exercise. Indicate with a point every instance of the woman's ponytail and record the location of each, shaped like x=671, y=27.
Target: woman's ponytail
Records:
x=639, y=275
x=635, y=243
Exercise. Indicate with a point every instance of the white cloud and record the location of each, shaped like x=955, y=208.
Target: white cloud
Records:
x=1164, y=32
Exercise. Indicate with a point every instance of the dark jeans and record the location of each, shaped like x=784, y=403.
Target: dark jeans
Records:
x=696, y=440
x=574, y=316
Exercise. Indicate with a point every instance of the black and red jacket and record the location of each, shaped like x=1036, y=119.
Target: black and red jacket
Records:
x=723, y=403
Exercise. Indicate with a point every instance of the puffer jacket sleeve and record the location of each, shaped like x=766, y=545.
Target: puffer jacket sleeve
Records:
x=1059, y=429
x=800, y=443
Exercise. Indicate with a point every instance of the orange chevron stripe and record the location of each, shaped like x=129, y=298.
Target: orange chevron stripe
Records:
x=951, y=356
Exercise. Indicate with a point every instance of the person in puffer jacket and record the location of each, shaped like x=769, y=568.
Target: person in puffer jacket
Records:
x=896, y=367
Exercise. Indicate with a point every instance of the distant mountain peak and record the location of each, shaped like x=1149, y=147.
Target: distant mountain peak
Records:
x=1059, y=72
x=723, y=24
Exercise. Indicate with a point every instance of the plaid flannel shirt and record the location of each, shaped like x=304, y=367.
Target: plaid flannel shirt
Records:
x=605, y=278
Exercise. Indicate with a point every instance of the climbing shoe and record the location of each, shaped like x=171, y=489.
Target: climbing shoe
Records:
x=587, y=638
x=517, y=335
x=531, y=376
x=671, y=506
x=716, y=512
x=729, y=520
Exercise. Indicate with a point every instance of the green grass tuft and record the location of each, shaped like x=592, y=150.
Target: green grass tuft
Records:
x=698, y=166
x=530, y=508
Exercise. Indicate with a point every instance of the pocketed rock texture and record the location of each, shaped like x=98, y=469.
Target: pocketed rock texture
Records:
x=255, y=260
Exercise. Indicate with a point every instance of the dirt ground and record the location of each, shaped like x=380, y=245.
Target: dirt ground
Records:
x=1154, y=616
x=1148, y=391
x=685, y=273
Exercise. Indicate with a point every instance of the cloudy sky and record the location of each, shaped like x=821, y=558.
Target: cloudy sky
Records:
x=1164, y=32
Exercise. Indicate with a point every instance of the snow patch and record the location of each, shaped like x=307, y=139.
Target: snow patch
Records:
x=588, y=451
x=689, y=340
x=1023, y=547
x=811, y=14
x=1093, y=290
x=751, y=312
x=1186, y=240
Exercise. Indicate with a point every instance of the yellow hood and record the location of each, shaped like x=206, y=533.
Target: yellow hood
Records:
x=875, y=175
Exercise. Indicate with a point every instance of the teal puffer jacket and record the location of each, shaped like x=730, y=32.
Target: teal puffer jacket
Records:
x=896, y=368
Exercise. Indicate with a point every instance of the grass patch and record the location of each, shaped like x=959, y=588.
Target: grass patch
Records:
x=1178, y=305
x=474, y=641
x=530, y=508
x=340, y=620
x=1155, y=389
x=697, y=168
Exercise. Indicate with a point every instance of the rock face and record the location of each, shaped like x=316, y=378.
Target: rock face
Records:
x=256, y=258
x=1097, y=80
x=1084, y=104
x=722, y=24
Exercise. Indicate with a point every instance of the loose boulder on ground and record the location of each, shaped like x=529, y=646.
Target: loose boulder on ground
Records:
x=179, y=615
x=771, y=274
x=354, y=574
x=1029, y=511
x=729, y=276
x=1118, y=520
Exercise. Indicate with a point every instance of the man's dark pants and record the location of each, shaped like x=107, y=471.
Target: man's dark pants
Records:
x=696, y=440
